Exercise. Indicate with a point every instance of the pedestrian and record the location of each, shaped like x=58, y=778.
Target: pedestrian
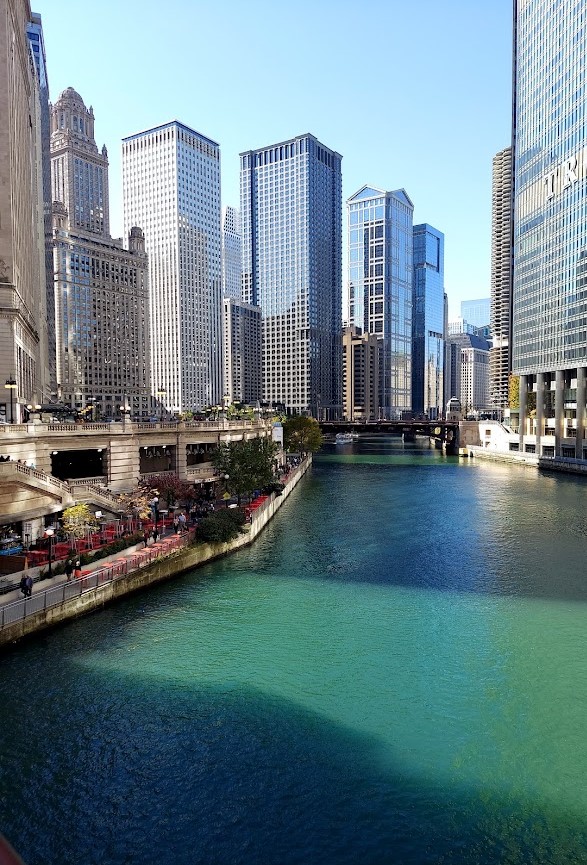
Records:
x=29, y=586
x=146, y=537
x=23, y=585
x=68, y=569
x=155, y=534
x=182, y=521
x=77, y=569
x=175, y=525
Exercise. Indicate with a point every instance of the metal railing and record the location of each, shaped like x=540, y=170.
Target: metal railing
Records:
x=19, y=610
x=19, y=468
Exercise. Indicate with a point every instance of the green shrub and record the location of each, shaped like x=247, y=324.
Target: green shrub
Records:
x=221, y=526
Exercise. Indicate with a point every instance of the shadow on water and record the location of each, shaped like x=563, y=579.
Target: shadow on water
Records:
x=389, y=515
x=140, y=772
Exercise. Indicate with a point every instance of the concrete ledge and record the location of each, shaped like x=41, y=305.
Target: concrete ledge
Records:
x=177, y=562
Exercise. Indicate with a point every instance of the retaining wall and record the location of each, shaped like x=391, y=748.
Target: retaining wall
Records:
x=164, y=568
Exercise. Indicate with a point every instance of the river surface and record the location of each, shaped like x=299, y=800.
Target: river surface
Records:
x=395, y=673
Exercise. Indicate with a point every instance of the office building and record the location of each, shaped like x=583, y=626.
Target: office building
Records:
x=23, y=317
x=476, y=312
x=292, y=232
x=242, y=351
x=171, y=188
x=37, y=46
x=428, y=322
x=101, y=293
x=380, y=287
x=360, y=375
x=232, y=253
x=549, y=337
x=468, y=371
x=500, y=357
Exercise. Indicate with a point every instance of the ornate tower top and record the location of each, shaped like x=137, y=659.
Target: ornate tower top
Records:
x=71, y=119
x=79, y=170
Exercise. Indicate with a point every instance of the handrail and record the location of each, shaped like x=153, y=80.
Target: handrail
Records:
x=31, y=472
x=19, y=610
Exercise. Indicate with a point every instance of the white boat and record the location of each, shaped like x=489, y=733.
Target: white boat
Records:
x=343, y=438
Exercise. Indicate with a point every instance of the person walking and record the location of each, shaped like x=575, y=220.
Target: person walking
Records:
x=77, y=569
x=155, y=534
x=29, y=586
x=175, y=525
x=68, y=569
x=182, y=523
x=23, y=585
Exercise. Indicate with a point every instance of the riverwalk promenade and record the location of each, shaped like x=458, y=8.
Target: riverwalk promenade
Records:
x=60, y=598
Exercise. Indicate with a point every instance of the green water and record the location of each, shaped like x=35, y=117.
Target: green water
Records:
x=394, y=673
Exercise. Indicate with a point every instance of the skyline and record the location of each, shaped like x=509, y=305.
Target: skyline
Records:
x=424, y=108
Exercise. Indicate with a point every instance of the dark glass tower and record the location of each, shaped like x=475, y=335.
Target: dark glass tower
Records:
x=291, y=202
x=428, y=322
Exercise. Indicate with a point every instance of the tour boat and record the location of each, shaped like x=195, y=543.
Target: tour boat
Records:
x=344, y=438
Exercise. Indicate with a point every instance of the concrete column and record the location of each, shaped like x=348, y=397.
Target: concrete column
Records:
x=181, y=454
x=580, y=412
x=539, y=410
x=559, y=412
x=523, y=402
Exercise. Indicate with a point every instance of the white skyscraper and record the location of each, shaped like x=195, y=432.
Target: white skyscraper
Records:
x=232, y=253
x=171, y=187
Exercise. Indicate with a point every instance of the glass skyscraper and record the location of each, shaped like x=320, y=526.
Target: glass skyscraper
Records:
x=550, y=224
x=171, y=188
x=291, y=220
x=476, y=312
x=428, y=322
x=380, y=287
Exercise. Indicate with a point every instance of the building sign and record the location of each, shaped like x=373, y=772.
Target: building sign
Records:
x=565, y=175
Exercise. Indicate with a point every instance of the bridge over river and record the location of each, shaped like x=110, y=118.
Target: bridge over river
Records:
x=446, y=433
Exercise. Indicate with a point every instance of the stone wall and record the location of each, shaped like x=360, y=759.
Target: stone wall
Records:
x=177, y=562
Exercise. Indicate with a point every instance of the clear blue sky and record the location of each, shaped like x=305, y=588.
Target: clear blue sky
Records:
x=412, y=94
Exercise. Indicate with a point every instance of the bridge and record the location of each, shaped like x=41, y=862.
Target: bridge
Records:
x=445, y=433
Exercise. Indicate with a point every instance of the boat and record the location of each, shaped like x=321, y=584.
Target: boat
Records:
x=343, y=438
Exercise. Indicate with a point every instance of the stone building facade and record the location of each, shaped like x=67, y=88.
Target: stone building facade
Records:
x=101, y=290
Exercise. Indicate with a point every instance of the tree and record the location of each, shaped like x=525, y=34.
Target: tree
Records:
x=136, y=503
x=302, y=434
x=172, y=489
x=514, y=391
x=78, y=519
x=249, y=464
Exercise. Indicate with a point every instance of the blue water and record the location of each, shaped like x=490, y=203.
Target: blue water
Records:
x=394, y=673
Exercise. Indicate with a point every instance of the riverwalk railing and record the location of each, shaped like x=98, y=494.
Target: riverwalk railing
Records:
x=18, y=610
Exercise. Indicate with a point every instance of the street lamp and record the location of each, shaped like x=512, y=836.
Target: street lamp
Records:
x=50, y=532
x=161, y=393
x=11, y=386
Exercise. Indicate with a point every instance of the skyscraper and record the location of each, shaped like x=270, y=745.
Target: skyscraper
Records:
x=477, y=312
x=428, y=322
x=242, y=351
x=360, y=375
x=380, y=287
x=550, y=239
x=37, y=46
x=291, y=222
x=171, y=187
x=101, y=296
x=232, y=253
x=23, y=346
x=501, y=277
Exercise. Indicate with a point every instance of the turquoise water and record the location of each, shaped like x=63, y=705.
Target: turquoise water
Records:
x=394, y=673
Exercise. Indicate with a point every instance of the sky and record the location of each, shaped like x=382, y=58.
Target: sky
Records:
x=414, y=95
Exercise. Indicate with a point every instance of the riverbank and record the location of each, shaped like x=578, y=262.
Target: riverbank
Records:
x=49, y=607
x=565, y=465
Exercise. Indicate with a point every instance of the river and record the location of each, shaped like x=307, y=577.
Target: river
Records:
x=395, y=673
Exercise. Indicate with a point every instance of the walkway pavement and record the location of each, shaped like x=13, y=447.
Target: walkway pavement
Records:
x=43, y=585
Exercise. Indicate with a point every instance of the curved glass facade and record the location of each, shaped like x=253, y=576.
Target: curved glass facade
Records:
x=550, y=204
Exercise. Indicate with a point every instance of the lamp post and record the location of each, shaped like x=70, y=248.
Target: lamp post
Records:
x=11, y=386
x=50, y=532
x=161, y=393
